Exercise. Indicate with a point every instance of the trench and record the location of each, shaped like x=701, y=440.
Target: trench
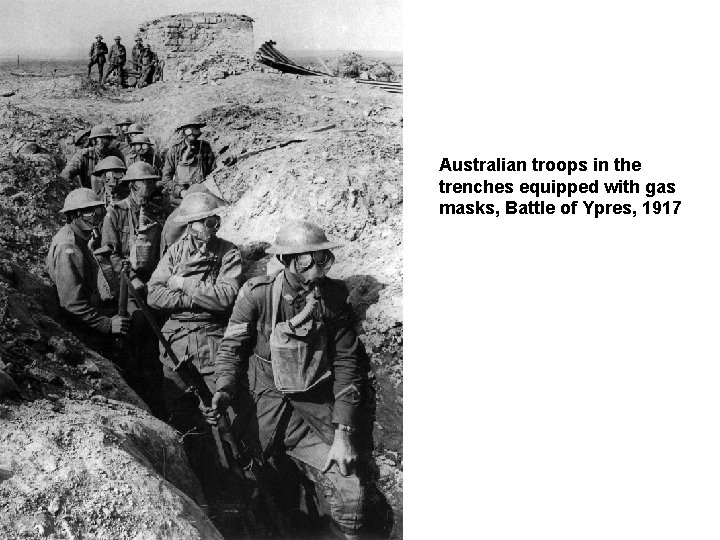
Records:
x=37, y=189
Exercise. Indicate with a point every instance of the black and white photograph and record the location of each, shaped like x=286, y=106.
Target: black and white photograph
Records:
x=201, y=270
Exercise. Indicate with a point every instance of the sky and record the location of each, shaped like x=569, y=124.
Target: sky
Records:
x=65, y=29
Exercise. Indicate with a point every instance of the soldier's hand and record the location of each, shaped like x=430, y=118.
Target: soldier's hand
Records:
x=175, y=283
x=220, y=403
x=119, y=325
x=138, y=285
x=341, y=452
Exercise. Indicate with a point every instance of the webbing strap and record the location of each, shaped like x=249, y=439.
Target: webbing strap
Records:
x=276, y=296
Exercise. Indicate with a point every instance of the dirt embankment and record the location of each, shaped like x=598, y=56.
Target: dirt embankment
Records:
x=347, y=178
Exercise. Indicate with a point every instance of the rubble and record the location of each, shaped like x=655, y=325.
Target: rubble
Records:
x=354, y=66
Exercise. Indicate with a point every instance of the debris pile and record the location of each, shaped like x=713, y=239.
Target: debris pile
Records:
x=267, y=54
x=355, y=66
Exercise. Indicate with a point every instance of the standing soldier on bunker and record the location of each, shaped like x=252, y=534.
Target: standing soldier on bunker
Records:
x=106, y=180
x=84, y=162
x=79, y=271
x=187, y=162
x=195, y=283
x=291, y=343
x=98, y=50
x=116, y=60
x=137, y=51
x=148, y=61
x=132, y=228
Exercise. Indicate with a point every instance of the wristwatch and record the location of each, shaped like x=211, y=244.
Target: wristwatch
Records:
x=347, y=429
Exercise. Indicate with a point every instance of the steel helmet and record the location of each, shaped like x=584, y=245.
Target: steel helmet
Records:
x=134, y=129
x=300, y=236
x=141, y=138
x=138, y=38
x=98, y=132
x=110, y=163
x=140, y=171
x=81, y=198
x=116, y=37
x=124, y=122
x=98, y=36
x=196, y=206
x=191, y=121
x=80, y=135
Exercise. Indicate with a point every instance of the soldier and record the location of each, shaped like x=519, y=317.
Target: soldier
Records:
x=172, y=230
x=122, y=142
x=134, y=129
x=291, y=340
x=147, y=64
x=142, y=150
x=83, y=163
x=187, y=162
x=117, y=61
x=98, y=50
x=195, y=283
x=84, y=291
x=106, y=180
x=137, y=51
x=131, y=227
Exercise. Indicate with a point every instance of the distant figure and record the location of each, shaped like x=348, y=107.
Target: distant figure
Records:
x=137, y=51
x=147, y=64
x=187, y=162
x=117, y=61
x=98, y=50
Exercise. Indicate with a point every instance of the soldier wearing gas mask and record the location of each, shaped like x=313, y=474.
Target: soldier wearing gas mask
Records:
x=195, y=286
x=106, y=180
x=291, y=343
x=132, y=230
x=79, y=268
x=84, y=162
x=187, y=162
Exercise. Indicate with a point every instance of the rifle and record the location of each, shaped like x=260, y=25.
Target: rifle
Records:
x=234, y=455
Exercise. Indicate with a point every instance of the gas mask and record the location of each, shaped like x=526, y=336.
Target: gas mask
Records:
x=141, y=190
x=102, y=144
x=91, y=218
x=204, y=230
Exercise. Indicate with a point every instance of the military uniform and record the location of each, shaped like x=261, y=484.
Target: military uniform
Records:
x=83, y=164
x=301, y=424
x=78, y=281
x=98, y=50
x=137, y=52
x=116, y=60
x=120, y=230
x=147, y=65
x=183, y=169
x=198, y=316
